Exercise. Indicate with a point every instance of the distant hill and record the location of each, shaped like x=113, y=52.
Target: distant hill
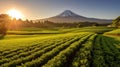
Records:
x=69, y=16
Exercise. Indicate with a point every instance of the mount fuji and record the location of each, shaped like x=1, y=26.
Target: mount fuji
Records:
x=68, y=17
x=67, y=13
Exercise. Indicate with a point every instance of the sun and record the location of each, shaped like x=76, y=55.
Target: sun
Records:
x=15, y=14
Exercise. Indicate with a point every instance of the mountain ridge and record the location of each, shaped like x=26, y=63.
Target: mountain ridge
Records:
x=68, y=17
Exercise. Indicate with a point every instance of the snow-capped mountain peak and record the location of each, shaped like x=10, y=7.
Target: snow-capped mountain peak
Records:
x=69, y=16
x=67, y=13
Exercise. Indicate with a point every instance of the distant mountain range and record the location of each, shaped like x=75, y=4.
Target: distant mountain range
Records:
x=69, y=16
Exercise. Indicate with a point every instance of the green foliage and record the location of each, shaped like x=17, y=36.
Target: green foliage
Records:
x=33, y=30
x=116, y=22
x=74, y=48
x=4, y=20
x=114, y=32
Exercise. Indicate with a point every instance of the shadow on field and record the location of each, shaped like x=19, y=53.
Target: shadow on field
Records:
x=2, y=37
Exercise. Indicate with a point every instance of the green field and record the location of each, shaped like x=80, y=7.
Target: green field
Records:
x=32, y=31
x=74, y=47
x=114, y=32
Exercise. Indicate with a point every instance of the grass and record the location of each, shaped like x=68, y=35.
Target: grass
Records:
x=14, y=41
x=33, y=31
x=75, y=47
x=27, y=37
x=114, y=32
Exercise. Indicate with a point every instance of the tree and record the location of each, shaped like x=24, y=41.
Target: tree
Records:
x=4, y=19
x=79, y=25
x=116, y=22
x=95, y=24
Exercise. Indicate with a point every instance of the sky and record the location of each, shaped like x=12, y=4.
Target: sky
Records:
x=38, y=9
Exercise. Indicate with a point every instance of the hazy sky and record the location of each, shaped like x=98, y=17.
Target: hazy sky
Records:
x=36, y=9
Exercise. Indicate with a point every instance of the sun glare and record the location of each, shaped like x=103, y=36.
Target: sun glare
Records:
x=15, y=14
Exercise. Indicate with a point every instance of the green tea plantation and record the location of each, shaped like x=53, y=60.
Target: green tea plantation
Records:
x=69, y=49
